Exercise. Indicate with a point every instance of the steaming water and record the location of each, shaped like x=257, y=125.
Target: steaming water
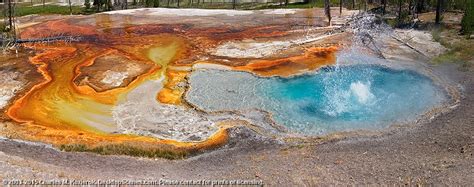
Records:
x=333, y=99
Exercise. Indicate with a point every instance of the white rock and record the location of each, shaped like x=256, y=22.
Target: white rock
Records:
x=114, y=78
x=9, y=86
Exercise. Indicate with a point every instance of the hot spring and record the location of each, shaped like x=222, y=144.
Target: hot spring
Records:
x=333, y=99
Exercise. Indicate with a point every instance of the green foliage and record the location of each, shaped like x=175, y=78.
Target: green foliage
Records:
x=459, y=48
x=436, y=34
x=149, y=3
x=87, y=4
x=47, y=9
x=156, y=3
x=468, y=19
x=403, y=19
x=3, y=27
x=455, y=4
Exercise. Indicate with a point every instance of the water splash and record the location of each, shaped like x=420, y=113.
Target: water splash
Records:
x=362, y=92
x=338, y=99
x=368, y=33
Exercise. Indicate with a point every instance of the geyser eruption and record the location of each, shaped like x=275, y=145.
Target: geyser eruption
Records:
x=362, y=92
x=345, y=98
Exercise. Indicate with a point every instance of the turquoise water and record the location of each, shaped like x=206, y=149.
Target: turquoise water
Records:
x=333, y=99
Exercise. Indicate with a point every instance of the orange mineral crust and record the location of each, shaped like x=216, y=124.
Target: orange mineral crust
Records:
x=84, y=81
x=172, y=90
x=57, y=28
x=312, y=59
x=69, y=140
x=59, y=112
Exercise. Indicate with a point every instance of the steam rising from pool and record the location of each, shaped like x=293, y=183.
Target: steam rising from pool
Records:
x=333, y=99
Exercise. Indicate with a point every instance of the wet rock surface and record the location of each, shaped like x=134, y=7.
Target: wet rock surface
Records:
x=111, y=71
x=438, y=152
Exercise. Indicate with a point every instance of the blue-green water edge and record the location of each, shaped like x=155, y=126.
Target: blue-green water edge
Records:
x=333, y=99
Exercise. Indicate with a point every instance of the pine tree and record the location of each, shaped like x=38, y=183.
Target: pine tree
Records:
x=468, y=19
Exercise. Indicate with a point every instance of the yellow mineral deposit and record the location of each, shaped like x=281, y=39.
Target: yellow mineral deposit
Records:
x=60, y=112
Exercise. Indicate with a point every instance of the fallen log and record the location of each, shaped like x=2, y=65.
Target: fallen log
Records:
x=49, y=39
x=408, y=45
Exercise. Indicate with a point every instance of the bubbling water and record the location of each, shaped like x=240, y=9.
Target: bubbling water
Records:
x=337, y=99
x=361, y=91
x=340, y=101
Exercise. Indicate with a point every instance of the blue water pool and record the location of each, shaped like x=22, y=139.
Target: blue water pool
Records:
x=333, y=99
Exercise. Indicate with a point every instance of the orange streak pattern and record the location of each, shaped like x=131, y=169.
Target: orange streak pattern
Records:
x=312, y=59
x=59, y=112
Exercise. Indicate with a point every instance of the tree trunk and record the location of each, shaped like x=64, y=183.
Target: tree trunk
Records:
x=410, y=7
x=420, y=6
x=353, y=4
x=70, y=7
x=233, y=4
x=327, y=10
x=438, y=12
x=97, y=4
x=384, y=7
x=400, y=11
x=10, y=16
x=340, y=7
x=178, y=3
